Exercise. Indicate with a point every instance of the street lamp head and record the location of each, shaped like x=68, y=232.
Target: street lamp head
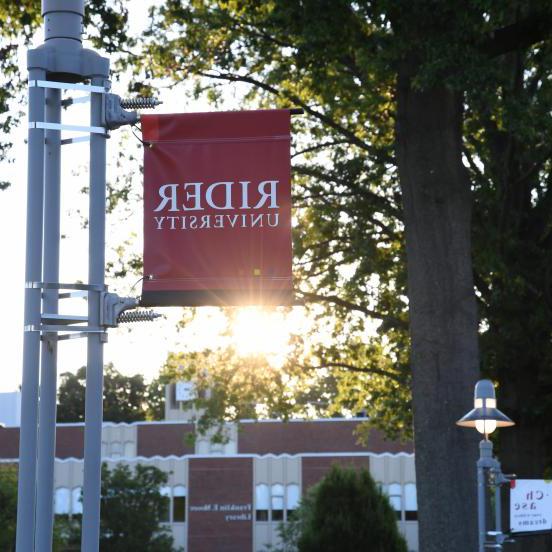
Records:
x=485, y=416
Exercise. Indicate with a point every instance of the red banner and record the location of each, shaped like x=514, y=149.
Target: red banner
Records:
x=217, y=208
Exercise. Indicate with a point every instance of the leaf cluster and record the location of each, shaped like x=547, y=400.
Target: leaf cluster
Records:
x=132, y=510
x=348, y=236
x=105, y=25
x=345, y=511
x=124, y=399
x=340, y=62
x=228, y=387
x=8, y=506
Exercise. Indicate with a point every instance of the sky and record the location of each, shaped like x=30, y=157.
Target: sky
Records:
x=137, y=348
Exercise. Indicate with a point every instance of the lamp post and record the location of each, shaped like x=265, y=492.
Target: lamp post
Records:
x=59, y=65
x=486, y=417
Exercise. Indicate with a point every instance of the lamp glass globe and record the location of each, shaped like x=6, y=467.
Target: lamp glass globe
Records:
x=485, y=426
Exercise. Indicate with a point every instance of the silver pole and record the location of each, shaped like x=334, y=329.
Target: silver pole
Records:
x=94, y=368
x=61, y=58
x=481, y=488
x=481, y=507
x=31, y=338
x=486, y=461
x=48, y=364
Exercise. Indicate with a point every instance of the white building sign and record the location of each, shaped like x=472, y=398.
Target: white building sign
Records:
x=530, y=505
x=231, y=512
x=185, y=391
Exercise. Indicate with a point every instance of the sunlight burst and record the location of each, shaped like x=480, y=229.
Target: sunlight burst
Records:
x=258, y=331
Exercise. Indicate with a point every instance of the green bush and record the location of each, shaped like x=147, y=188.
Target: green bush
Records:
x=345, y=512
x=8, y=506
x=132, y=509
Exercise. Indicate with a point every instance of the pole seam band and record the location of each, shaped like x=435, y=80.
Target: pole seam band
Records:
x=50, y=285
x=68, y=86
x=74, y=128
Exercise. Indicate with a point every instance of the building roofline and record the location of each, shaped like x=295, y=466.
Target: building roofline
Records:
x=244, y=421
x=224, y=456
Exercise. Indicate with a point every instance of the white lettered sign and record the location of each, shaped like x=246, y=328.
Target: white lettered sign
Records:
x=530, y=505
x=231, y=512
x=185, y=391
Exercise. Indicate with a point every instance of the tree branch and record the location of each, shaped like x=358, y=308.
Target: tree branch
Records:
x=320, y=146
x=473, y=165
x=351, y=136
x=327, y=255
x=396, y=376
x=522, y=34
x=390, y=320
x=380, y=201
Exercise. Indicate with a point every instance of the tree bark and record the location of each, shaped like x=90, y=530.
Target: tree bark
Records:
x=443, y=314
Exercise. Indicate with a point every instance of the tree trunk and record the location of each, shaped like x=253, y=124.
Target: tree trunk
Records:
x=443, y=313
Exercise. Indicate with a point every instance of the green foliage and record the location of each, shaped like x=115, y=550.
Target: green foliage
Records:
x=104, y=24
x=506, y=132
x=229, y=387
x=340, y=61
x=346, y=511
x=67, y=533
x=8, y=506
x=232, y=386
x=348, y=240
x=125, y=397
x=132, y=509
x=63, y=532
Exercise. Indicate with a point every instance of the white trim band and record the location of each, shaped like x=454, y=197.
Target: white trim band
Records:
x=68, y=86
x=172, y=457
x=71, y=128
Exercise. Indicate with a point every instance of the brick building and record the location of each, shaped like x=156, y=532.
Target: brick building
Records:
x=231, y=497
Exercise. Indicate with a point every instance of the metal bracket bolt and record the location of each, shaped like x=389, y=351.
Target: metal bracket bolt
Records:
x=115, y=106
x=139, y=316
x=115, y=115
x=114, y=307
x=140, y=103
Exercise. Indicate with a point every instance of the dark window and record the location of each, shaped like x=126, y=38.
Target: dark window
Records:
x=411, y=515
x=172, y=396
x=277, y=502
x=261, y=515
x=179, y=509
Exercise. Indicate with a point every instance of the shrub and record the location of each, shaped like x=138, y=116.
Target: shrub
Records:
x=345, y=512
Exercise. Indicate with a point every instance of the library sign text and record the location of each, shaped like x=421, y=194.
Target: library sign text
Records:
x=231, y=512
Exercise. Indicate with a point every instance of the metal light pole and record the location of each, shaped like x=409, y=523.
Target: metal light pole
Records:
x=94, y=366
x=48, y=360
x=486, y=417
x=61, y=64
x=31, y=339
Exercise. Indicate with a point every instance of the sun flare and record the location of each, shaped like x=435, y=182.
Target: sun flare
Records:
x=259, y=331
